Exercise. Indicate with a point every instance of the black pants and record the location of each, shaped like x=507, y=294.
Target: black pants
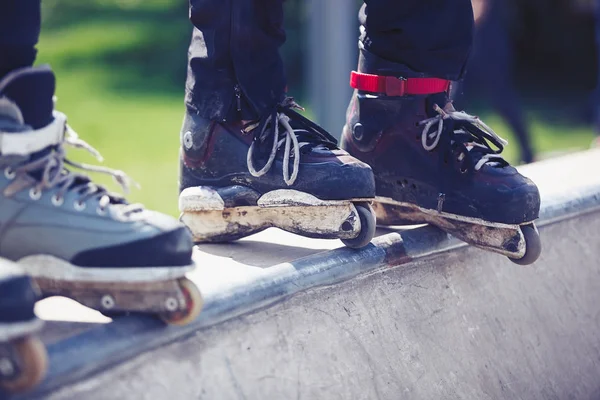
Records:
x=19, y=32
x=234, y=60
x=235, y=47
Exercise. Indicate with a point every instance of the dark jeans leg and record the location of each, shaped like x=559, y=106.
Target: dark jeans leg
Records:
x=19, y=33
x=235, y=52
x=490, y=69
x=428, y=36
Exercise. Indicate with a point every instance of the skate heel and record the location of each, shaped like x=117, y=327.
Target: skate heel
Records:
x=226, y=214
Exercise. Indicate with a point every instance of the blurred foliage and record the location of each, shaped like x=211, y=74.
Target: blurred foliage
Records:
x=147, y=40
x=555, y=43
x=121, y=68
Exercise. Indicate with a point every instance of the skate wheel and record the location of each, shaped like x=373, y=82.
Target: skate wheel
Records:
x=533, y=245
x=193, y=301
x=367, y=227
x=34, y=363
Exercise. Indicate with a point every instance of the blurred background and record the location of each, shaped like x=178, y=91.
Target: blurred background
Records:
x=121, y=69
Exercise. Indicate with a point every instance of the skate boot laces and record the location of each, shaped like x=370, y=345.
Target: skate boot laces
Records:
x=49, y=171
x=467, y=133
x=276, y=125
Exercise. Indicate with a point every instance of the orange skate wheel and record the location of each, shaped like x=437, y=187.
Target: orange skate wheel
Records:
x=193, y=301
x=34, y=363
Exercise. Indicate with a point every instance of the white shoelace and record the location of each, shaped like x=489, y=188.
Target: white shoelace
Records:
x=53, y=173
x=291, y=144
x=121, y=178
x=492, y=159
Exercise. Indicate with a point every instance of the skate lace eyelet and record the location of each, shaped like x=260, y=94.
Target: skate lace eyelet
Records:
x=57, y=200
x=463, y=170
x=9, y=173
x=35, y=194
x=101, y=210
x=79, y=206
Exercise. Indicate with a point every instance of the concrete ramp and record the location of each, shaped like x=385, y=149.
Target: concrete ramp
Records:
x=416, y=314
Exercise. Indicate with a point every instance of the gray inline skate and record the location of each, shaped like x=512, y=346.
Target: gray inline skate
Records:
x=71, y=235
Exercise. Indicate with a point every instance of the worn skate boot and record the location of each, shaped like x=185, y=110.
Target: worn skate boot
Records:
x=284, y=171
x=71, y=235
x=433, y=164
x=23, y=358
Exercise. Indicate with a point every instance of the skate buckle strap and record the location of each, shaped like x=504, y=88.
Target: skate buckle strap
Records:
x=28, y=142
x=397, y=86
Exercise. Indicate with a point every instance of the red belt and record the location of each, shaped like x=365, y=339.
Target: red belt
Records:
x=394, y=86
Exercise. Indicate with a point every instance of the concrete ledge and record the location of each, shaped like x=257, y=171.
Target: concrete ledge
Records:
x=243, y=302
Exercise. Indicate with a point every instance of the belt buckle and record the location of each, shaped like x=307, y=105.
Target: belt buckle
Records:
x=395, y=86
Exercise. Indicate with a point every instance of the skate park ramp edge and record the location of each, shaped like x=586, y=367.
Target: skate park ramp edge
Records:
x=570, y=189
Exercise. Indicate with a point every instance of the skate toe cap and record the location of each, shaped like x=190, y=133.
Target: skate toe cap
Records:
x=517, y=203
x=351, y=180
x=168, y=244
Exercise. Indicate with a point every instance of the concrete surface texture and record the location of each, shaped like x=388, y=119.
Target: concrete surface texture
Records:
x=464, y=325
x=415, y=315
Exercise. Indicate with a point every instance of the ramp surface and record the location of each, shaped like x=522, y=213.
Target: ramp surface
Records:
x=416, y=314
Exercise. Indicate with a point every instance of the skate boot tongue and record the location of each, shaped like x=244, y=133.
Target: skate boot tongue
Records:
x=437, y=100
x=284, y=131
x=472, y=142
x=27, y=123
x=32, y=91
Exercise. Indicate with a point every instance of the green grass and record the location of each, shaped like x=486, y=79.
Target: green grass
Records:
x=121, y=79
x=136, y=131
x=549, y=139
x=139, y=135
